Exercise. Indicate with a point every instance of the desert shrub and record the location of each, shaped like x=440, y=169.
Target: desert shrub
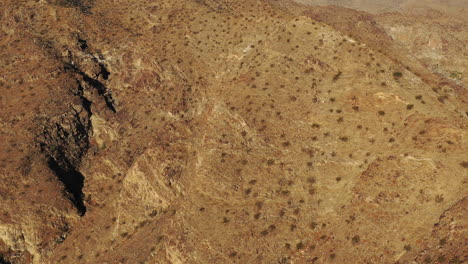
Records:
x=397, y=75
x=356, y=239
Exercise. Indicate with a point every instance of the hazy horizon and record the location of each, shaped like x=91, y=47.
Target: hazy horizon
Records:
x=381, y=6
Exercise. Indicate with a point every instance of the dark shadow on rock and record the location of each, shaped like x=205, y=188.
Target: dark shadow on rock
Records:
x=72, y=180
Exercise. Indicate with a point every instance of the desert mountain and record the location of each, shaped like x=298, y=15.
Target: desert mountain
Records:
x=232, y=131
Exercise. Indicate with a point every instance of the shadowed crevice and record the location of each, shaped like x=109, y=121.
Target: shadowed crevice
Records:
x=3, y=261
x=102, y=90
x=73, y=182
x=65, y=141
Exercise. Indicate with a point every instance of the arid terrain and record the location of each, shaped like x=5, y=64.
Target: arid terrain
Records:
x=233, y=131
x=432, y=32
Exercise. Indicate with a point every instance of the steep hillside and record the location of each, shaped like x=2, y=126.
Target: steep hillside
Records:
x=426, y=37
x=437, y=39
x=202, y=131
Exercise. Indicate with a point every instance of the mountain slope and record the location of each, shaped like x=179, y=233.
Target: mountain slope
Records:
x=221, y=132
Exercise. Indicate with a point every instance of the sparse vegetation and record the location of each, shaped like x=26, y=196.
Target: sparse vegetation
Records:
x=356, y=239
x=234, y=118
x=397, y=75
